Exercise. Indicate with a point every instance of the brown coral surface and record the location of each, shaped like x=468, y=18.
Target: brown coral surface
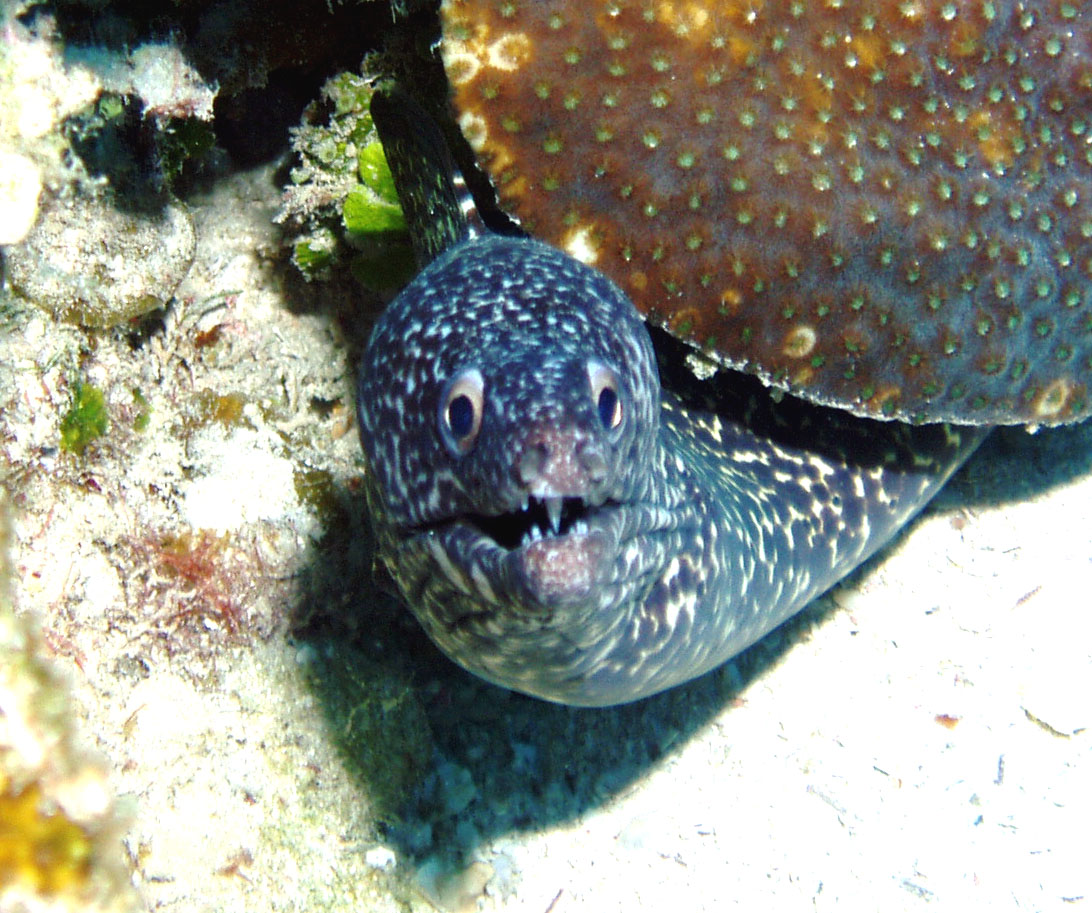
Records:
x=881, y=205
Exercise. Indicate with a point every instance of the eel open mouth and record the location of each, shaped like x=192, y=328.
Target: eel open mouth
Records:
x=539, y=518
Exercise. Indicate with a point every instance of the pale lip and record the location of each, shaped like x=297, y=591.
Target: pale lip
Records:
x=563, y=569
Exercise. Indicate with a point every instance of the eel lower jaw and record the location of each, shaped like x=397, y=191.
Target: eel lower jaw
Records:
x=509, y=612
x=554, y=554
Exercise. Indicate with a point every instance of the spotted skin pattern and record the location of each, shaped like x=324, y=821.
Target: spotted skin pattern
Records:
x=877, y=204
x=700, y=521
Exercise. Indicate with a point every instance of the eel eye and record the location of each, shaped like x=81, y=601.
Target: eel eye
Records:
x=461, y=410
x=605, y=395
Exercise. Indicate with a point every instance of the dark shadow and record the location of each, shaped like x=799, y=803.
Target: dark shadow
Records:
x=1014, y=465
x=235, y=44
x=452, y=762
x=266, y=61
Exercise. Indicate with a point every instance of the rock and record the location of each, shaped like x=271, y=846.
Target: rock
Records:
x=90, y=263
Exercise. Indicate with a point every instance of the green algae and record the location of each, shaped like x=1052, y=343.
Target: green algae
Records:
x=182, y=144
x=383, y=731
x=317, y=490
x=143, y=415
x=86, y=419
x=363, y=215
x=342, y=195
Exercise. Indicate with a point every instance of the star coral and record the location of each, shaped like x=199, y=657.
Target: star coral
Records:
x=881, y=205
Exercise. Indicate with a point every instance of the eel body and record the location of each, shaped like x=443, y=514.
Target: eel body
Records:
x=563, y=524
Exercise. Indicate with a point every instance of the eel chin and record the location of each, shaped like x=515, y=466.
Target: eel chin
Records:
x=553, y=554
x=561, y=570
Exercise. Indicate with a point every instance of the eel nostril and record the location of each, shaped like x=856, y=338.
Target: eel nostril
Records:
x=593, y=461
x=531, y=462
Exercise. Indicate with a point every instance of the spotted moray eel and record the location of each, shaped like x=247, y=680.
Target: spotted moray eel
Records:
x=561, y=523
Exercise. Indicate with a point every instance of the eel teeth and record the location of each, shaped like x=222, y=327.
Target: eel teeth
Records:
x=553, y=511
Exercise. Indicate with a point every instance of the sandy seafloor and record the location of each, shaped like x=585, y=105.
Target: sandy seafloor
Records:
x=283, y=738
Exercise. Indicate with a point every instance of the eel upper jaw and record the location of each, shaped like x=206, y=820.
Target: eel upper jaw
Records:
x=536, y=518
